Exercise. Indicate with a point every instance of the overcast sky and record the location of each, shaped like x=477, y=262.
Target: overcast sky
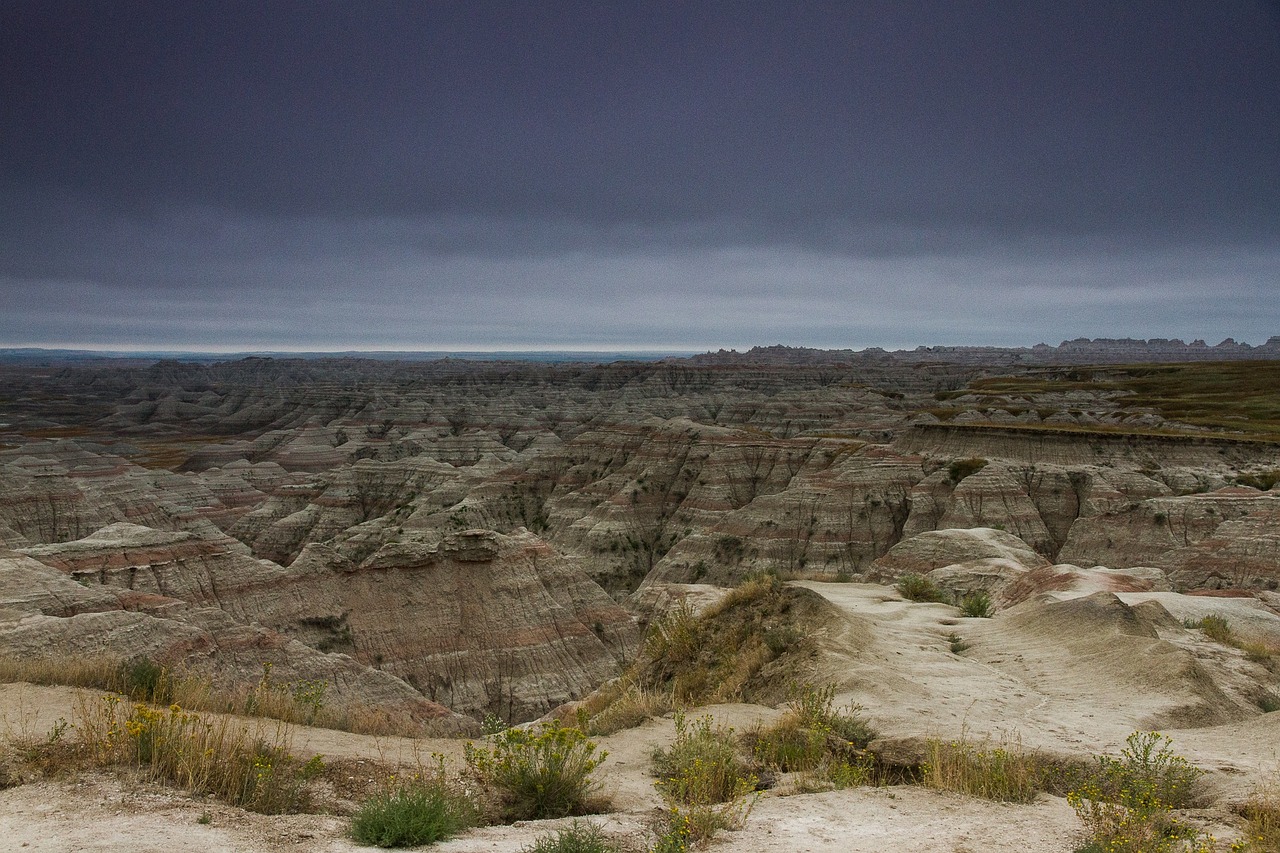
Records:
x=637, y=175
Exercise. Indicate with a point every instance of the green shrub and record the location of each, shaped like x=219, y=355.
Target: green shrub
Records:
x=814, y=736
x=419, y=812
x=976, y=605
x=916, y=588
x=706, y=785
x=144, y=680
x=1216, y=628
x=580, y=837
x=701, y=766
x=1127, y=803
x=957, y=642
x=538, y=773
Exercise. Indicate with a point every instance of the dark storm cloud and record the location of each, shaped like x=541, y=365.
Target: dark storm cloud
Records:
x=634, y=173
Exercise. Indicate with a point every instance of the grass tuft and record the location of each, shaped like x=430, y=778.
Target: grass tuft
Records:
x=1004, y=772
x=579, y=837
x=420, y=811
x=976, y=605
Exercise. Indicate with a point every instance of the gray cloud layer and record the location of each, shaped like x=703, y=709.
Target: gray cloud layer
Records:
x=583, y=175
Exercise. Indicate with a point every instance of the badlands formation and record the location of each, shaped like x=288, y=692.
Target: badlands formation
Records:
x=450, y=541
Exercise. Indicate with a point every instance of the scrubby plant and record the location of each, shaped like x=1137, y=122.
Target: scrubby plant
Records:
x=144, y=680
x=957, y=643
x=421, y=810
x=623, y=704
x=705, y=782
x=579, y=837
x=1127, y=804
x=1004, y=771
x=730, y=651
x=701, y=766
x=819, y=740
x=918, y=588
x=976, y=605
x=1217, y=628
x=541, y=772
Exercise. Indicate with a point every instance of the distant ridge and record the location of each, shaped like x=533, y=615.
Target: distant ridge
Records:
x=1077, y=351
x=36, y=356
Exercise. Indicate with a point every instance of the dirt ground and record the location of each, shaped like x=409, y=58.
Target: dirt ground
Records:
x=1026, y=679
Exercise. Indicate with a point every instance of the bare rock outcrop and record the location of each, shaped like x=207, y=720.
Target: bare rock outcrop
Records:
x=43, y=612
x=936, y=549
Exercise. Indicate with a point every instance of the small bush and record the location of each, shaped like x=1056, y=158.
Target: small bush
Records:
x=1004, y=772
x=976, y=605
x=144, y=680
x=1127, y=803
x=958, y=644
x=422, y=811
x=917, y=588
x=701, y=766
x=1217, y=629
x=705, y=783
x=814, y=736
x=538, y=773
x=580, y=837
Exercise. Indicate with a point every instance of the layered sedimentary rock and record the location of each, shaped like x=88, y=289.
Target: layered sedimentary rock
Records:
x=44, y=612
x=484, y=622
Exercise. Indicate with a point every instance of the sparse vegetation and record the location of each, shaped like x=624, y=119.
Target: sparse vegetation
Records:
x=250, y=767
x=144, y=680
x=731, y=651
x=959, y=469
x=537, y=773
x=1218, y=629
x=976, y=605
x=706, y=784
x=918, y=588
x=1127, y=804
x=957, y=643
x=816, y=738
x=1003, y=771
x=622, y=705
x=579, y=837
x=1262, y=821
x=421, y=810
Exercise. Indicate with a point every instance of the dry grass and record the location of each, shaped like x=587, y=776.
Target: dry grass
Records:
x=1217, y=628
x=622, y=704
x=250, y=766
x=1262, y=821
x=1003, y=771
x=733, y=651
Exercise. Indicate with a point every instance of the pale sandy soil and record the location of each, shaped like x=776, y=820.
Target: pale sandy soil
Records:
x=1040, y=684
